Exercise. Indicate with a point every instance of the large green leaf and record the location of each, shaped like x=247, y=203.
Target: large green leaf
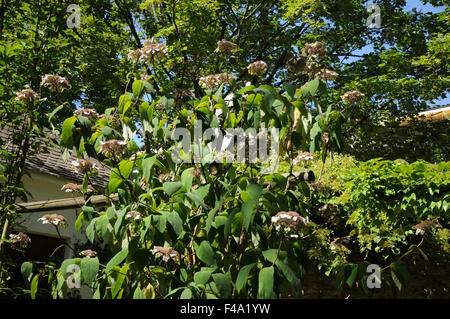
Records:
x=115, y=179
x=206, y=254
x=223, y=285
x=66, y=132
x=34, y=286
x=89, y=269
x=117, y=259
x=119, y=280
x=311, y=87
x=291, y=276
x=90, y=233
x=137, y=87
x=400, y=274
x=242, y=276
x=202, y=277
x=147, y=164
x=268, y=102
x=186, y=178
x=248, y=208
x=265, y=282
x=352, y=273
x=172, y=187
x=175, y=221
x=101, y=225
x=27, y=270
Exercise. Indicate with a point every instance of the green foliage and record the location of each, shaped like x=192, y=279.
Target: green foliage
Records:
x=183, y=230
x=387, y=198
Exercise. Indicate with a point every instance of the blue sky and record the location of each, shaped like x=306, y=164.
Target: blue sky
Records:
x=417, y=4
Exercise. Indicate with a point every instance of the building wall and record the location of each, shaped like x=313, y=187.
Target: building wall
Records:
x=46, y=187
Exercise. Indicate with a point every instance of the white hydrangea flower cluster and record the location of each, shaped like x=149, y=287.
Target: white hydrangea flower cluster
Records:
x=74, y=188
x=352, y=96
x=54, y=82
x=27, y=95
x=226, y=47
x=82, y=166
x=88, y=253
x=212, y=81
x=20, y=238
x=167, y=253
x=113, y=148
x=89, y=113
x=289, y=222
x=257, y=68
x=133, y=215
x=327, y=75
x=152, y=51
x=53, y=219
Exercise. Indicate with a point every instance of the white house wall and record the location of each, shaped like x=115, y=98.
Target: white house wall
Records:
x=46, y=187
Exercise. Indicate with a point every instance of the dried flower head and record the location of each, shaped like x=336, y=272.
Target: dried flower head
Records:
x=197, y=172
x=197, y=211
x=167, y=177
x=27, y=95
x=352, y=96
x=312, y=67
x=135, y=55
x=339, y=241
x=88, y=253
x=53, y=219
x=20, y=238
x=305, y=156
x=214, y=80
x=326, y=137
x=82, y=166
x=166, y=253
x=425, y=226
x=76, y=188
x=314, y=50
x=327, y=75
x=89, y=113
x=134, y=215
x=289, y=222
x=226, y=47
x=153, y=50
x=55, y=83
x=296, y=63
x=257, y=68
x=113, y=148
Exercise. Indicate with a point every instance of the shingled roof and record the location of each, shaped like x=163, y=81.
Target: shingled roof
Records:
x=50, y=162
